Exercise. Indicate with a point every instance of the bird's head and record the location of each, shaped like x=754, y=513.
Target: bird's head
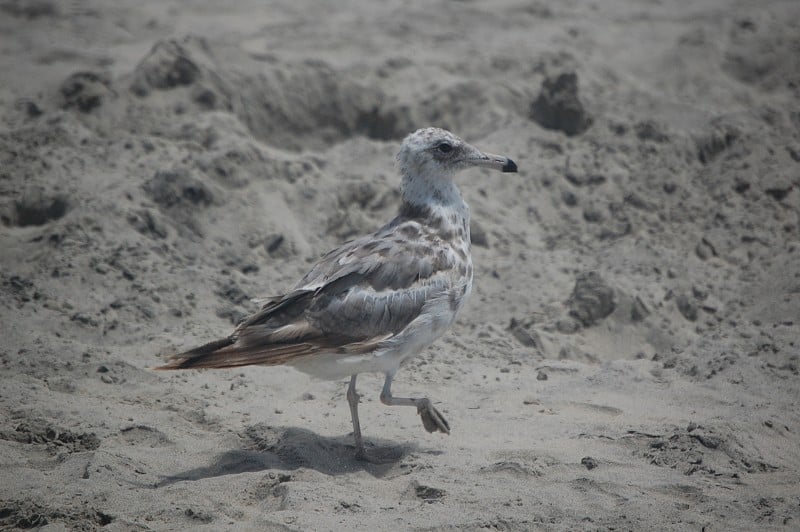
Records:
x=436, y=152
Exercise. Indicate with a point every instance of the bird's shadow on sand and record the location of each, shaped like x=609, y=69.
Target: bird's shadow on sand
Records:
x=292, y=448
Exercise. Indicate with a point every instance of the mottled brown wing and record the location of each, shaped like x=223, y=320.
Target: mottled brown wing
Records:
x=351, y=300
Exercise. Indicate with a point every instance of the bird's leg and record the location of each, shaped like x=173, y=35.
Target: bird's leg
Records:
x=432, y=419
x=352, y=399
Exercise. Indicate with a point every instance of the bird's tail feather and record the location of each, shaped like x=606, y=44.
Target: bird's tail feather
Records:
x=225, y=353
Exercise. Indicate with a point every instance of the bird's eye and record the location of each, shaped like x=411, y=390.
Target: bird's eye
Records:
x=444, y=147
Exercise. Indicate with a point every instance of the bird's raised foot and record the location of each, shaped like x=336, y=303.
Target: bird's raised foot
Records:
x=432, y=419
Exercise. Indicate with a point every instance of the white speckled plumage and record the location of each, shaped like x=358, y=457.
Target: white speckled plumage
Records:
x=377, y=301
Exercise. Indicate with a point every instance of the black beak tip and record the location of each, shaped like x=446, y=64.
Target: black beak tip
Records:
x=510, y=166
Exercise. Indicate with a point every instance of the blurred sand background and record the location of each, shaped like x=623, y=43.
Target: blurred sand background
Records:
x=629, y=357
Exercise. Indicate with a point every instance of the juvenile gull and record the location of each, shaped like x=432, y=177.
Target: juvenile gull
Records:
x=374, y=303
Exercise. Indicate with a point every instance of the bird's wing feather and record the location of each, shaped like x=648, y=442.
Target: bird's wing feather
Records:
x=354, y=298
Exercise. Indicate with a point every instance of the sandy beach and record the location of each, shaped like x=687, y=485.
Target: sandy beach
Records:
x=629, y=356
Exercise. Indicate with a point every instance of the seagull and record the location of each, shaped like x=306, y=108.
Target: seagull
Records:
x=374, y=303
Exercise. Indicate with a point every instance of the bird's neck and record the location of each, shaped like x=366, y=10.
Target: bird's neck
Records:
x=435, y=201
x=433, y=192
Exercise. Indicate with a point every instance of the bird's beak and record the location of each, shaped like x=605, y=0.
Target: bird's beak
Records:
x=495, y=162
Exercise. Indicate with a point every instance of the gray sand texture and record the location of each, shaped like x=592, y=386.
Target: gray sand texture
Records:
x=628, y=359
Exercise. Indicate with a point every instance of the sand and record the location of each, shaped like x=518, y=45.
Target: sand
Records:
x=628, y=359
